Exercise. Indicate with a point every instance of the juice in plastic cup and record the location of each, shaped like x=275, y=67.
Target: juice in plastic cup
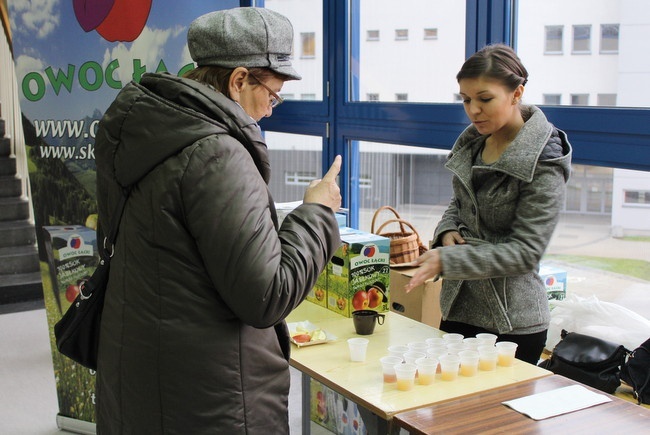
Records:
x=506, y=350
x=426, y=370
x=405, y=376
x=449, y=365
x=388, y=368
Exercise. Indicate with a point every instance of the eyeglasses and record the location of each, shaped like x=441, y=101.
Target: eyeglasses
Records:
x=276, y=100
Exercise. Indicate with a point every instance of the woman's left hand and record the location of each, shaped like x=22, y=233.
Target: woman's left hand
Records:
x=429, y=266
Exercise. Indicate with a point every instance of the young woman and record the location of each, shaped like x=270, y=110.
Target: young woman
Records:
x=510, y=169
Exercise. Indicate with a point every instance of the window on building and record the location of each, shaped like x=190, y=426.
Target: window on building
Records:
x=308, y=45
x=287, y=96
x=458, y=98
x=552, y=99
x=581, y=39
x=579, y=99
x=401, y=97
x=401, y=34
x=309, y=97
x=297, y=178
x=431, y=33
x=606, y=99
x=637, y=197
x=372, y=97
x=609, y=38
x=553, y=40
x=372, y=35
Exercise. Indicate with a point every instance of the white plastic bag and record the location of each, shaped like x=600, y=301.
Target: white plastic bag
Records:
x=590, y=316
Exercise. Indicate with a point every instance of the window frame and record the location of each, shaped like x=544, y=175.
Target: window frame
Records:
x=593, y=131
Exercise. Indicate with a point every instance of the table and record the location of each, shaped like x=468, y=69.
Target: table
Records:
x=484, y=413
x=362, y=382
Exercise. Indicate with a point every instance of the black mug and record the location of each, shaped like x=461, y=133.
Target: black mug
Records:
x=364, y=321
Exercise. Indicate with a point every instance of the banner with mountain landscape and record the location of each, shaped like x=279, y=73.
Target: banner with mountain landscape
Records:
x=72, y=57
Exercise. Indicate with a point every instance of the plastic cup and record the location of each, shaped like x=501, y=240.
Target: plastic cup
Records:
x=398, y=350
x=388, y=364
x=472, y=343
x=405, y=374
x=449, y=365
x=427, y=368
x=506, y=353
x=487, y=358
x=486, y=338
x=411, y=356
x=456, y=348
x=452, y=338
x=468, y=363
x=435, y=341
x=437, y=351
x=358, y=348
x=418, y=346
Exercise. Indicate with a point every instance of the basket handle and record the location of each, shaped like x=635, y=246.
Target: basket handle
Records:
x=374, y=218
x=401, y=222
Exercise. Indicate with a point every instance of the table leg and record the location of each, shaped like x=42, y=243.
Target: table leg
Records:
x=306, y=406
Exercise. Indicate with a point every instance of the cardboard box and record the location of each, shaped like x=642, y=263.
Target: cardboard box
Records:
x=332, y=411
x=72, y=257
x=554, y=280
x=421, y=304
x=358, y=276
x=318, y=294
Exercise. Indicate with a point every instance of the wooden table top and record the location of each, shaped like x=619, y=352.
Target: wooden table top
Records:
x=484, y=413
x=362, y=382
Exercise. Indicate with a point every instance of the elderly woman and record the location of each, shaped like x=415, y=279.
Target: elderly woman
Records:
x=193, y=338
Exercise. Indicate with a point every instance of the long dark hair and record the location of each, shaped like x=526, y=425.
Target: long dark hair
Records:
x=495, y=61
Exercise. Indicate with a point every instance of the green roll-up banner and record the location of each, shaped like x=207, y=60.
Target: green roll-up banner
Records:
x=71, y=59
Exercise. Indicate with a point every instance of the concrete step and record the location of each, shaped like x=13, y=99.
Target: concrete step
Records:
x=10, y=186
x=21, y=287
x=7, y=166
x=17, y=233
x=5, y=146
x=14, y=209
x=18, y=259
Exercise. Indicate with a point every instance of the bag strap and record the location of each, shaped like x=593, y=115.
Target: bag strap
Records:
x=109, y=239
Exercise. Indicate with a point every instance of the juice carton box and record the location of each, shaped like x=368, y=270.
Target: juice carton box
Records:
x=358, y=276
x=72, y=256
x=555, y=280
x=318, y=293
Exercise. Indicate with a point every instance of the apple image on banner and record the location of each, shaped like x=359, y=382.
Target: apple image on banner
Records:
x=114, y=20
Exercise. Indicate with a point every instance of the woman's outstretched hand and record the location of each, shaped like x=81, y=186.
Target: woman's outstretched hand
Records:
x=429, y=266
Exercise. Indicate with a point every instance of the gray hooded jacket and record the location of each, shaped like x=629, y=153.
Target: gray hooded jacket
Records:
x=507, y=212
x=193, y=338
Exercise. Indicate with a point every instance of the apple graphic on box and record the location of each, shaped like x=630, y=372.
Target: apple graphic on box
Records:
x=375, y=297
x=360, y=300
x=319, y=293
x=71, y=292
x=340, y=303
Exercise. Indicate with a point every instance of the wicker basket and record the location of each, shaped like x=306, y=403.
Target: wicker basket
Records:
x=405, y=245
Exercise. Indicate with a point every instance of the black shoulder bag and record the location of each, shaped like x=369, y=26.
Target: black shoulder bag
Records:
x=636, y=372
x=590, y=360
x=77, y=332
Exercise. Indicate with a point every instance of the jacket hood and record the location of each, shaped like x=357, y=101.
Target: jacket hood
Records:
x=521, y=157
x=179, y=112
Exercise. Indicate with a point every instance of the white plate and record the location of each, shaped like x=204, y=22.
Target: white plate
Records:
x=309, y=327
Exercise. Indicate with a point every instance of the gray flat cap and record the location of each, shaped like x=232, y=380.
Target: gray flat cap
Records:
x=248, y=37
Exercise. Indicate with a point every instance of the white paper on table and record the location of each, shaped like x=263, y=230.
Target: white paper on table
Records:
x=556, y=402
